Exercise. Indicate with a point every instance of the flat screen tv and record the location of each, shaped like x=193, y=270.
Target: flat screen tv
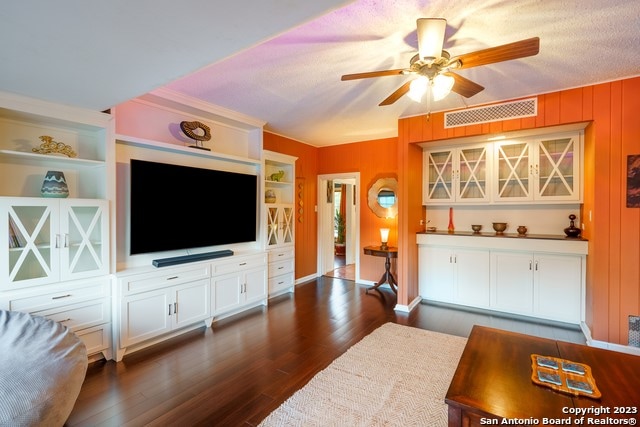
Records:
x=180, y=207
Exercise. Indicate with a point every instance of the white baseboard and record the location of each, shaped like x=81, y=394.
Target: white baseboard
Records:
x=408, y=308
x=607, y=345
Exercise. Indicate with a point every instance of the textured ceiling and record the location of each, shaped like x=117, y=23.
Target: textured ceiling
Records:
x=272, y=61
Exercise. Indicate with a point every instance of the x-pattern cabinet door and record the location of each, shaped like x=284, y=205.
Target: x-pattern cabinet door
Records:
x=280, y=225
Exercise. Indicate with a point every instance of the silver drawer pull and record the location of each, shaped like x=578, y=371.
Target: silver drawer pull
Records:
x=65, y=320
x=243, y=263
x=280, y=283
x=280, y=268
x=61, y=296
x=280, y=254
x=173, y=277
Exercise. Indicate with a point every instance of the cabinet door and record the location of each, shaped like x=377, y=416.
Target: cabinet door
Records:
x=557, y=169
x=436, y=274
x=226, y=292
x=30, y=254
x=472, y=277
x=280, y=225
x=192, y=303
x=471, y=174
x=255, y=285
x=512, y=171
x=145, y=316
x=558, y=290
x=84, y=231
x=512, y=282
x=439, y=170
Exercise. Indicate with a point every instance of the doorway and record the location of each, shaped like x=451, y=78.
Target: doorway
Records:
x=338, y=199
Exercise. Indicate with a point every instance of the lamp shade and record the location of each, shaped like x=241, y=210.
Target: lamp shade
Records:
x=417, y=88
x=384, y=235
x=430, y=37
x=442, y=86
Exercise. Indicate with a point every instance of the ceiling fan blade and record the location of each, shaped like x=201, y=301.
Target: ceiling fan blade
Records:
x=373, y=74
x=506, y=52
x=464, y=86
x=430, y=37
x=396, y=95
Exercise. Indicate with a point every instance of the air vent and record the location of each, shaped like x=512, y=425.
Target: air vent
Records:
x=634, y=331
x=492, y=113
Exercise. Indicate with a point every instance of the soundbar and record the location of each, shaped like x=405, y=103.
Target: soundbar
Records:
x=164, y=262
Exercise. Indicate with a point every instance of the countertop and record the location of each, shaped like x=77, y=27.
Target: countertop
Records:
x=505, y=235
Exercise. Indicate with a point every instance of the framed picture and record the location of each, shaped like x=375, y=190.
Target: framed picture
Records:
x=330, y=191
x=633, y=181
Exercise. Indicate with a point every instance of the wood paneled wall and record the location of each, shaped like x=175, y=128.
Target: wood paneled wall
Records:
x=613, y=230
x=373, y=160
x=306, y=174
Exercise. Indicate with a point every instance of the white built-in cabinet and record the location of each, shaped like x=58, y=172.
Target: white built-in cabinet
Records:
x=455, y=275
x=532, y=169
x=55, y=253
x=537, y=284
x=239, y=282
x=279, y=220
x=543, y=278
x=156, y=304
x=53, y=240
x=542, y=169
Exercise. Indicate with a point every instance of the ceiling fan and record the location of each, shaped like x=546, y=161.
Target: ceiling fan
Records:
x=433, y=66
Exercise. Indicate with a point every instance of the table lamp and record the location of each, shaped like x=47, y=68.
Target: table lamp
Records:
x=384, y=238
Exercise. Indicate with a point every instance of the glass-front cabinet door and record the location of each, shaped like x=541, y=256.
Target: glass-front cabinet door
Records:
x=471, y=174
x=279, y=225
x=84, y=227
x=557, y=170
x=439, y=169
x=513, y=171
x=30, y=254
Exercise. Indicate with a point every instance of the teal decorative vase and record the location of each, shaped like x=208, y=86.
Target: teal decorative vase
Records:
x=55, y=185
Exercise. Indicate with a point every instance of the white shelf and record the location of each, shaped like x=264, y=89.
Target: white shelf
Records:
x=71, y=161
x=147, y=143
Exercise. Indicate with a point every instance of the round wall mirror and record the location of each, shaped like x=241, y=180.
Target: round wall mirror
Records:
x=383, y=197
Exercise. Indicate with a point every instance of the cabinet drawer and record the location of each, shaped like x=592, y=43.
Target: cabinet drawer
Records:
x=158, y=280
x=281, y=267
x=97, y=338
x=82, y=315
x=56, y=296
x=240, y=263
x=279, y=283
x=277, y=255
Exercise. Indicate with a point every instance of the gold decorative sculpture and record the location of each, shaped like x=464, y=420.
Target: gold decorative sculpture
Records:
x=49, y=146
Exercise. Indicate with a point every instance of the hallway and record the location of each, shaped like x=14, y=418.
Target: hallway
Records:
x=341, y=270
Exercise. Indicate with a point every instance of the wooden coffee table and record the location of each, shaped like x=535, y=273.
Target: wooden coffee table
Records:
x=493, y=381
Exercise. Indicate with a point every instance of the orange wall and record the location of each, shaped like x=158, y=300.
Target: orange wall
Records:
x=306, y=175
x=373, y=160
x=613, y=264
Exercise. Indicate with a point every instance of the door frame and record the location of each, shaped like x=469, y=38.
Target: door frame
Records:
x=325, y=223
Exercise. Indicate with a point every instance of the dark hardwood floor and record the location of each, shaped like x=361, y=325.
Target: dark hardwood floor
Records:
x=242, y=368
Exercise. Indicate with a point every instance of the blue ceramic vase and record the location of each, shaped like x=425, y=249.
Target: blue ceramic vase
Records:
x=55, y=185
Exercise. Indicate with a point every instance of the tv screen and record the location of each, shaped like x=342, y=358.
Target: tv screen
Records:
x=181, y=207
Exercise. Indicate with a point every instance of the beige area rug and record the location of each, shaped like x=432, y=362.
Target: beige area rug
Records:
x=395, y=376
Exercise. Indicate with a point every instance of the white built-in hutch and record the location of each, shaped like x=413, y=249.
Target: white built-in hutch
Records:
x=531, y=178
x=68, y=258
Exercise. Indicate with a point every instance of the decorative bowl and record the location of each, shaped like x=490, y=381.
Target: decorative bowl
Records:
x=499, y=227
x=476, y=228
x=431, y=229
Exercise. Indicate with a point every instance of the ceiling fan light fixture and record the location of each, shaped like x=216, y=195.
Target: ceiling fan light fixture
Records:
x=442, y=86
x=431, y=37
x=417, y=88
